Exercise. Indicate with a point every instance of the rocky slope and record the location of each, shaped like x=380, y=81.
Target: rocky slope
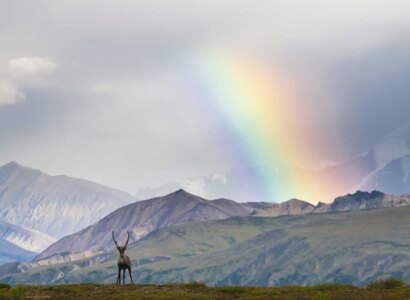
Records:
x=363, y=200
x=290, y=207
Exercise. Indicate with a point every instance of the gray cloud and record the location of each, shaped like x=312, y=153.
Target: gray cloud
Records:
x=118, y=109
x=10, y=93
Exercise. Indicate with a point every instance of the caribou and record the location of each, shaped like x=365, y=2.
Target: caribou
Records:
x=124, y=262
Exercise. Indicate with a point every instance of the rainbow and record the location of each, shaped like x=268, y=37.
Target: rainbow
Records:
x=258, y=109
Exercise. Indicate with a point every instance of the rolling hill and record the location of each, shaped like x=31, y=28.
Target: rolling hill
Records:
x=346, y=247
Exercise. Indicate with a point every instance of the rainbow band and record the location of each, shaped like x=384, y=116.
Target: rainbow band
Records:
x=255, y=109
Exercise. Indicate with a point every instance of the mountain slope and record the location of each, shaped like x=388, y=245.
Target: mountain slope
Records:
x=347, y=247
x=394, y=178
x=10, y=252
x=27, y=239
x=383, y=167
x=239, y=184
x=143, y=217
x=55, y=205
x=180, y=207
x=363, y=200
x=290, y=207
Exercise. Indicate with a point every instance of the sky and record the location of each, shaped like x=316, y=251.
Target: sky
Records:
x=133, y=94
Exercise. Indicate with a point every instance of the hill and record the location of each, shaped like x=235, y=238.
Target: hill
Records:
x=347, y=247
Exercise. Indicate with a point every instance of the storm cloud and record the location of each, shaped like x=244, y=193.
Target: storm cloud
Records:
x=96, y=89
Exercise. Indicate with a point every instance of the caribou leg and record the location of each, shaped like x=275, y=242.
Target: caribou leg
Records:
x=119, y=276
x=129, y=271
x=123, y=276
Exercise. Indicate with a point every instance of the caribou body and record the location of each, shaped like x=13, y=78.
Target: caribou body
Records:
x=124, y=262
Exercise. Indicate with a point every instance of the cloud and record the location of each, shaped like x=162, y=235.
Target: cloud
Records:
x=10, y=93
x=32, y=65
x=102, y=88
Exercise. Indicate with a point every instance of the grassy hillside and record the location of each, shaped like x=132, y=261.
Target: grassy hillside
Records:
x=350, y=248
x=390, y=289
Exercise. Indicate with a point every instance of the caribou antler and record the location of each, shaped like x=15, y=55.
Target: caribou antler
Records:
x=114, y=239
x=128, y=238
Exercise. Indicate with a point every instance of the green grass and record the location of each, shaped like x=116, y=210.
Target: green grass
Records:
x=382, y=289
x=9, y=293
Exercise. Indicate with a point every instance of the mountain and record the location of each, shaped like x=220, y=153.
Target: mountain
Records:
x=394, y=178
x=345, y=247
x=241, y=184
x=143, y=217
x=27, y=239
x=290, y=207
x=10, y=252
x=363, y=200
x=384, y=166
x=54, y=205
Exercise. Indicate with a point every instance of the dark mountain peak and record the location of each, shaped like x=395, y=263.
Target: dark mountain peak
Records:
x=362, y=194
x=181, y=193
x=358, y=200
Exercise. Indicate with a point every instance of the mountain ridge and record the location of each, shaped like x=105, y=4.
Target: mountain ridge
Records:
x=143, y=217
x=54, y=205
x=269, y=251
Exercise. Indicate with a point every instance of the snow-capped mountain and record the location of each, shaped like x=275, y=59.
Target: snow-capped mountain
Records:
x=241, y=184
x=390, y=163
x=54, y=205
x=393, y=178
x=384, y=167
x=27, y=239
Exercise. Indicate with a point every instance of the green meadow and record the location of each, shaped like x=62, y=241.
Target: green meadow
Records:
x=384, y=289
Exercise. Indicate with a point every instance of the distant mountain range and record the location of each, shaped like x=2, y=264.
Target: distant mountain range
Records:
x=21, y=244
x=384, y=167
x=27, y=239
x=54, y=205
x=10, y=252
x=345, y=247
x=143, y=217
